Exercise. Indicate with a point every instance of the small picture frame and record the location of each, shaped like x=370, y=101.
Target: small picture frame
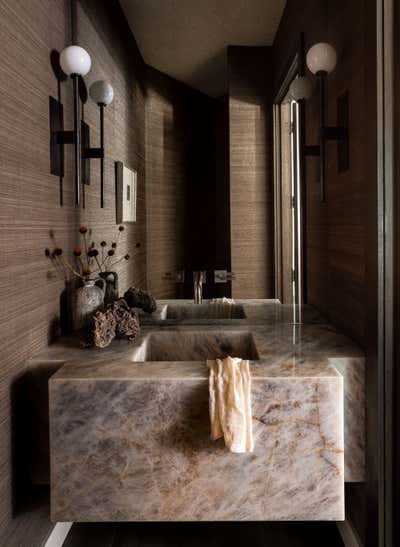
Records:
x=126, y=186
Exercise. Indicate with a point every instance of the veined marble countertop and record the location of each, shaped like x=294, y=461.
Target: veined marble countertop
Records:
x=285, y=358
x=256, y=310
x=311, y=349
x=130, y=428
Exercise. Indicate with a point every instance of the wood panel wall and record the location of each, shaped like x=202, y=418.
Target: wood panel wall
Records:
x=336, y=248
x=341, y=233
x=251, y=187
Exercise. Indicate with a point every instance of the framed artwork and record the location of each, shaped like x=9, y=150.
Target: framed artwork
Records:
x=126, y=183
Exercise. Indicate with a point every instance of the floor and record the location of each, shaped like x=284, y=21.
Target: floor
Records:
x=293, y=534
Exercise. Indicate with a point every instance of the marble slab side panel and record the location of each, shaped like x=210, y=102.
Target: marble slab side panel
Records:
x=130, y=450
x=353, y=371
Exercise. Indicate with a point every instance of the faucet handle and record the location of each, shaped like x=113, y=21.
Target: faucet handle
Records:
x=223, y=276
x=177, y=277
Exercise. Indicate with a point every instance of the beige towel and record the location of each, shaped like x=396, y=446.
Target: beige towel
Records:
x=230, y=403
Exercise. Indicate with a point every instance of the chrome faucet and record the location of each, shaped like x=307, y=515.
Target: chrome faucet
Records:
x=198, y=279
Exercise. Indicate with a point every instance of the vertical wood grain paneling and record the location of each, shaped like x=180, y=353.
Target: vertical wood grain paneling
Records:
x=251, y=188
x=341, y=233
x=336, y=229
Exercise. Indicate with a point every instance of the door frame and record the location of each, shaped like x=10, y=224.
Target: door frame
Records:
x=380, y=483
x=295, y=68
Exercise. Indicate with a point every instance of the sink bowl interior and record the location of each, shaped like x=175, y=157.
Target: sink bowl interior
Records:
x=196, y=346
x=205, y=311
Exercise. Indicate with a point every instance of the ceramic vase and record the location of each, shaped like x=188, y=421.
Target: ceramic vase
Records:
x=86, y=301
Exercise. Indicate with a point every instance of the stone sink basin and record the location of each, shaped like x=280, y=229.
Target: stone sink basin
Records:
x=195, y=346
x=204, y=311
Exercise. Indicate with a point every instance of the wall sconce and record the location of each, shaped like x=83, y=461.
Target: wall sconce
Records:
x=102, y=94
x=321, y=61
x=74, y=61
x=301, y=88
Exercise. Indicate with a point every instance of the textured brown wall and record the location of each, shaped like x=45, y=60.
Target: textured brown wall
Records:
x=336, y=248
x=152, y=125
x=251, y=188
x=30, y=201
x=166, y=175
x=180, y=183
x=340, y=233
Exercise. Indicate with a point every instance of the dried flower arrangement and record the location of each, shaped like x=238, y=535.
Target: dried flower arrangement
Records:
x=89, y=262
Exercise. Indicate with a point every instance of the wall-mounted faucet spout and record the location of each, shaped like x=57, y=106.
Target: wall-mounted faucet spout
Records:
x=198, y=279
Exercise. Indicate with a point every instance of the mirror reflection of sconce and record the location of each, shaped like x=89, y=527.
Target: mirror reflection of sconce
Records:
x=321, y=61
x=102, y=94
x=75, y=62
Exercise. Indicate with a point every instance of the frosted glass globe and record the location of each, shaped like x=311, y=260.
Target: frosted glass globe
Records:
x=101, y=92
x=321, y=58
x=75, y=60
x=301, y=88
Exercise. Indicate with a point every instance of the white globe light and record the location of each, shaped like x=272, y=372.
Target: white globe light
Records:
x=301, y=88
x=101, y=92
x=75, y=60
x=321, y=58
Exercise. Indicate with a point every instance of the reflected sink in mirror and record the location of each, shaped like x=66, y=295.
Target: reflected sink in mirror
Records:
x=196, y=346
x=205, y=311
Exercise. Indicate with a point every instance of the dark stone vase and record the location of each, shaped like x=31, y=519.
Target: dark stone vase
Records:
x=111, y=292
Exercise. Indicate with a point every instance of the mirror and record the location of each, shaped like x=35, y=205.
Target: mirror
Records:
x=224, y=194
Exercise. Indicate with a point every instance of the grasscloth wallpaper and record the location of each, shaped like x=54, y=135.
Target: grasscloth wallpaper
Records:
x=149, y=127
x=251, y=184
x=30, y=198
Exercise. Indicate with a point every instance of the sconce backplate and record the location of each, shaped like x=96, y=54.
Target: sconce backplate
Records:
x=56, y=114
x=85, y=143
x=343, y=153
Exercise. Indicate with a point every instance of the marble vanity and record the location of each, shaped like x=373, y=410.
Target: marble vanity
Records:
x=129, y=426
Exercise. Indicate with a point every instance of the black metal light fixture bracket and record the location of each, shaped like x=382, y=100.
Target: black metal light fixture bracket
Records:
x=92, y=153
x=59, y=137
x=339, y=133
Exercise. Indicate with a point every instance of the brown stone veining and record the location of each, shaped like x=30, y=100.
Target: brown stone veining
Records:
x=125, y=449
x=130, y=434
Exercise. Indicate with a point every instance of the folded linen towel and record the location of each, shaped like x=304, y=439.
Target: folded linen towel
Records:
x=222, y=300
x=220, y=305
x=230, y=403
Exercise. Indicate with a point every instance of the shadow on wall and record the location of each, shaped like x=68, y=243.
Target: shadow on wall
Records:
x=25, y=495
x=30, y=437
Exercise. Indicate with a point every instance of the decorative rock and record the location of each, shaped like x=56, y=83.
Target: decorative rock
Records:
x=105, y=323
x=128, y=325
x=118, y=320
x=137, y=298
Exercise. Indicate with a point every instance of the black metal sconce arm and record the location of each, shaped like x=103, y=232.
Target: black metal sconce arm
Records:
x=83, y=151
x=59, y=137
x=94, y=153
x=339, y=133
x=91, y=152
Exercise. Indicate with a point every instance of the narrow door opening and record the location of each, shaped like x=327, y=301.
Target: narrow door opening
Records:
x=288, y=204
